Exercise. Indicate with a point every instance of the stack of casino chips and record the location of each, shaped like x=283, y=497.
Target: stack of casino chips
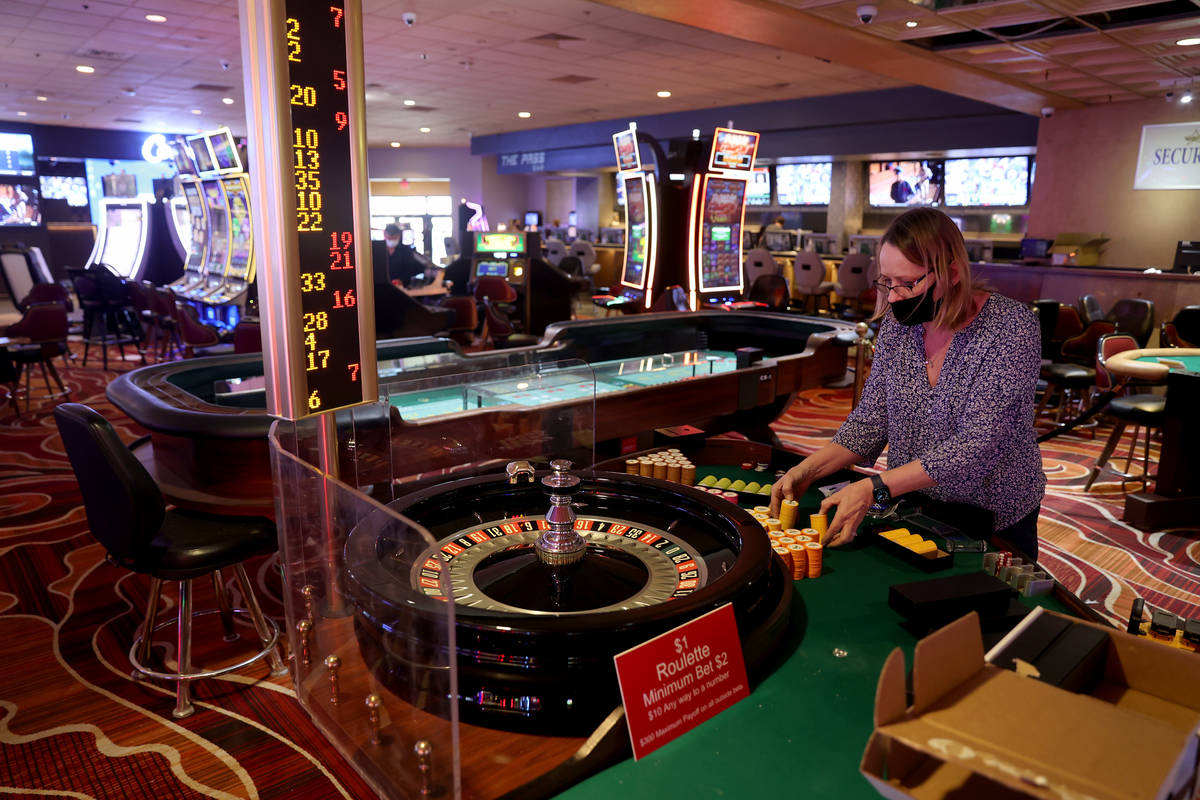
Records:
x=799, y=550
x=788, y=509
x=666, y=465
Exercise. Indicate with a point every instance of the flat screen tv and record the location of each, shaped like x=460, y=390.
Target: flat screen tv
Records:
x=804, y=184
x=758, y=193
x=904, y=183
x=16, y=154
x=992, y=181
x=20, y=205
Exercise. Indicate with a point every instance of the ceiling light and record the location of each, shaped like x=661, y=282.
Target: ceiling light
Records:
x=155, y=18
x=42, y=98
x=524, y=114
x=22, y=113
x=912, y=23
x=663, y=93
x=85, y=69
x=1186, y=97
x=227, y=101
x=394, y=144
x=1188, y=42
x=423, y=130
x=197, y=111
x=410, y=102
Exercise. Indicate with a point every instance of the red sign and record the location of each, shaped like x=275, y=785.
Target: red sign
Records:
x=680, y=679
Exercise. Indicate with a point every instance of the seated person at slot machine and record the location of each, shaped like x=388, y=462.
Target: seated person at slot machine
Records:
x=458, y=272
x=776, y=226
x=950, y=395
x=403, y=262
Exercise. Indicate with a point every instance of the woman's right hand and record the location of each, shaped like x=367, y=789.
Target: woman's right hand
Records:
x=791, y=486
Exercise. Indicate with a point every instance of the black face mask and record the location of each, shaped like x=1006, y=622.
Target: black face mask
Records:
x=916, y=310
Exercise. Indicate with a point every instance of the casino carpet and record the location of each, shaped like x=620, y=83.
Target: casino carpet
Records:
x=72, y=722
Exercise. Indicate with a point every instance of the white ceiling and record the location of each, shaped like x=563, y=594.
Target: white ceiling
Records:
x=471, y=65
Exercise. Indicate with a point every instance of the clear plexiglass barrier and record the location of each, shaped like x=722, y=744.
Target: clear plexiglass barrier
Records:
x=369, y=609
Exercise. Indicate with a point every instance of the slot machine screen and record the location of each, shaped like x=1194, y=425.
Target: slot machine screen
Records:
x=905, y=183
x=1001, y=181
x=533, y=219
x=19, y=203
x=620, y=189
x=721, y=233
x=16, y=154
x=195, y=203
x=487, y=243
x=733, y=149
x=628, y=157
x=182, y=156
x=218, y=228
x=497, y=269
x=758, y=193
x=225, y=151
x=201, y=152
x=634, y=273
x=241, y=237
x=804, y=184
x=123, y=228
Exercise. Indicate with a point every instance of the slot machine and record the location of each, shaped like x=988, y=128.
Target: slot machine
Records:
x=122, y=243
x=197, y=252
x=225, y=302
x=716, y=219
x=504, y=254
x=641, y=223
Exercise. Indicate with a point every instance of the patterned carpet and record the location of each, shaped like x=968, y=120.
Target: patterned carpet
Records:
x=73, y=723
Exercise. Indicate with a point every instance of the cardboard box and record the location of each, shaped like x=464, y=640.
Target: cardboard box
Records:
x=1078, y=249
x=981, y=732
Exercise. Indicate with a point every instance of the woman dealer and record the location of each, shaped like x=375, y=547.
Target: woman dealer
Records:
x=950, y=395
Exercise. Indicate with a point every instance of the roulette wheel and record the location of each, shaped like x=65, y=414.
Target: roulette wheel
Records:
x=553, y=573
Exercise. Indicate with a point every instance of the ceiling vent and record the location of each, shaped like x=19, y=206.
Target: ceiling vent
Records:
x=130, y=120
x=103, y=55
x=419, y=108
x=211, y=87
x=571, y=79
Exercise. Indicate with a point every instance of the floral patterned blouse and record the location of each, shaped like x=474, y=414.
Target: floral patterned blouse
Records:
x=973, y=433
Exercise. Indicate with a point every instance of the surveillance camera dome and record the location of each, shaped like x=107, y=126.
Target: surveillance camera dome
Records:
x=1170, y=96
x=866, y=13
x=1047, y=112
x=409, y=18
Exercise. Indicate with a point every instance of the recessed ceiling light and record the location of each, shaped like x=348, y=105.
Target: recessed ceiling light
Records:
x=524, y=114
x=155, y=18
x=22, y=113
x=197, y=111
x=410, y=102
x=1186, y=97
x=85, y=69
x=227, y=101
x=912, y=23
x=42, y=98
x=663, y=93
x=1189, y=42
x=394, y=144
x=424, y=130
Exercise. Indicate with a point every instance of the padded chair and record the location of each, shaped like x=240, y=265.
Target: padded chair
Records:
x=587, y=257
x=128, y=516
x=1068, y=379
x=247, y=337
x=1134, y=316
x=141, y=295
x=166, y=320
x=673, y=298
x=105, y=300
x=466, y=319
x=10, y=380
x=1089, y=309
x=47, y=293
x=1142, y=410
x=758, y=261
x=808, y=280
x=1183, y=330
x=556, y=249
x=498, y=328
x=194, y=333
x=45, y=326
x=496, y=289
x=853, y=278
x=771, y=290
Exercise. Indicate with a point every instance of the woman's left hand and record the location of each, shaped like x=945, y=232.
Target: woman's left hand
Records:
x=852, y=502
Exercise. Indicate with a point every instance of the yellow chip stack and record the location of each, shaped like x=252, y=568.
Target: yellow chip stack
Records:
x=687, y=473
x=761, y=517
x=660, y=470
x=631, y=466
x=762, y=510
x=783, y=553
x=814, y=552
x=781, y=539
x=673, y=471
x=774, y=525
x=723, y=483
x=788, y=510
x=799, y=561
x=646, y=467
x=820, y=524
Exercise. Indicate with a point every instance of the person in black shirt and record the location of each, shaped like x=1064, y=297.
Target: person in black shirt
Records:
x=403, y=262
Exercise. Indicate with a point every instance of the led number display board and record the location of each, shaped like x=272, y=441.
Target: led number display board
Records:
x=326, y=269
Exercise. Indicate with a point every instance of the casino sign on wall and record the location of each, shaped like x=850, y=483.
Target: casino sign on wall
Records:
x=1169, y=157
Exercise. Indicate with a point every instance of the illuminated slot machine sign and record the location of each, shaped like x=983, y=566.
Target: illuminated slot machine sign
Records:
x=717, y=215
x=500, y=255
x=325, y=226
x=637, y=233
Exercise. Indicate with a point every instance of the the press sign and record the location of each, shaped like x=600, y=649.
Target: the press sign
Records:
x=1169, y=157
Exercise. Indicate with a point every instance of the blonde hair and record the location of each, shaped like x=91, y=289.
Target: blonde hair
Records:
x=929, y=238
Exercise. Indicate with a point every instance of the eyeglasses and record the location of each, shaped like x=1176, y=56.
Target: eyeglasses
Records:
x=902, y=288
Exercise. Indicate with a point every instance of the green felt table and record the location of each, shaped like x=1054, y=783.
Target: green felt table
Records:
x=1190, y=363
x=802, y=730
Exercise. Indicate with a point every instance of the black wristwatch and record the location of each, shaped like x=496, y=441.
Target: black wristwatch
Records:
x=881, y=494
